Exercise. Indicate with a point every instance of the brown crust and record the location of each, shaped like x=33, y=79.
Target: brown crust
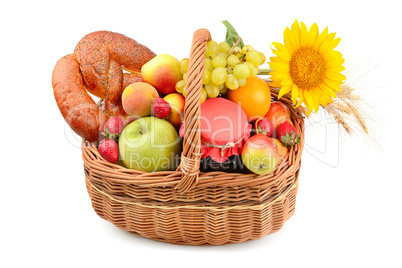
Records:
x=96, y=67
x=101, y=56
x=77, y=107
x=129, y=78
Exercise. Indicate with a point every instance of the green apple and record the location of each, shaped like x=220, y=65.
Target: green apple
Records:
x=150, y=144
x=260, y=154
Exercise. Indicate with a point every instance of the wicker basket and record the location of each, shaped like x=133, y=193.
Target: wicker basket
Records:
x=187, y=206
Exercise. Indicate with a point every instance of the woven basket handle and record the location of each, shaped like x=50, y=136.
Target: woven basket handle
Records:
x=191, y=155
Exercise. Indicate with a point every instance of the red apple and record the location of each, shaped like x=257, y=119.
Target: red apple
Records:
x=163, y=72
x=260, y=154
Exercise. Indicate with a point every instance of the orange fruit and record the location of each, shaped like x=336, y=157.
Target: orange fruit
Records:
x=254, y=97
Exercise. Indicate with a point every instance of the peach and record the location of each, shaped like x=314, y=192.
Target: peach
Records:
x=137, y=99
x=163, y=72
x=176, y=102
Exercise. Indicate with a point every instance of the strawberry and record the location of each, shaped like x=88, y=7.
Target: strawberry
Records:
x=181, y=130
x=113, y=127
x=109, y=150
x=161, y=108
x=264, y=126
x=287, y=134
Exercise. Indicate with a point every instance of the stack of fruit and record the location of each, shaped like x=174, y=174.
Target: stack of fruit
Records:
x=151, y=143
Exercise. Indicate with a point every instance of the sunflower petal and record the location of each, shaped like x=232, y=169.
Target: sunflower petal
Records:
x=337, y=76
x=279, y=46
x=296, y=33
x=334, y=63
x=287, y=81
x=280, y=67
x=277, y=59
x=308, y=100
x=275, y=84
x=328, y=90
x=284, y=90
x=337, y=69
x=324, y=99
x=288, y=41
x=312, y=35
x=321, y=39
x=278, y=76
x=334, y=43
x=295, y=93
x=316, y=100
x=326, y=43
x=303, y=35
x=282, y=54
x=334, y=85
x=332, y=55
x=301, y=100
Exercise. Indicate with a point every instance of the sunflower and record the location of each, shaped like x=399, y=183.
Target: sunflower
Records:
x=308, y=66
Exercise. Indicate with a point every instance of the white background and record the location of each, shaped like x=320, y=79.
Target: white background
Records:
x=348, y=211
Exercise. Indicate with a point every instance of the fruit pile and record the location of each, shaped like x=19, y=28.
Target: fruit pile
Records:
x=151, y=142
x=140, y=122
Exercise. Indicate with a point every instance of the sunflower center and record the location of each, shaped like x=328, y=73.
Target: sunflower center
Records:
x=307, y=68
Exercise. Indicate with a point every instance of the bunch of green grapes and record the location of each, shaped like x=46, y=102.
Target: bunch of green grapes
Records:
x=225, y=68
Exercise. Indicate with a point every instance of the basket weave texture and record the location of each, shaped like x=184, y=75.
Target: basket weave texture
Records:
x=187, y=206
